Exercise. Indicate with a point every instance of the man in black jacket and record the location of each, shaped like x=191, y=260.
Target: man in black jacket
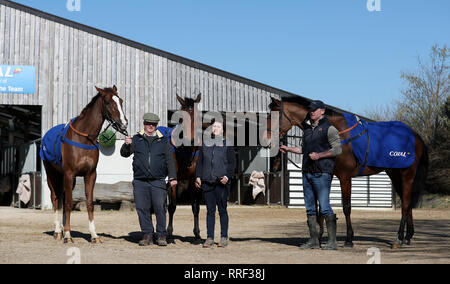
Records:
x=215, y=168
x=321, y=144
x=152, y=163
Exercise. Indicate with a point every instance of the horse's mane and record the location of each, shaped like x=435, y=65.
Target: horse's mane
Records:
x=273, y=106
x=94, y=100
x=90, y=104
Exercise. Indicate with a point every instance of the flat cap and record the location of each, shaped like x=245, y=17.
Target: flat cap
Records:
x=151, y=117
x=316, y=104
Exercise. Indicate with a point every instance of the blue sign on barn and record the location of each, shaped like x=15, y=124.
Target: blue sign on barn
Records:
x=17, y=79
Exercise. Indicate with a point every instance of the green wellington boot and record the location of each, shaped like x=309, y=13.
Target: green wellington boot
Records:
x=313, y=242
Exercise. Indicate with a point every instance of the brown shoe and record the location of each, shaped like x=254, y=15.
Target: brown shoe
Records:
x=146, y=240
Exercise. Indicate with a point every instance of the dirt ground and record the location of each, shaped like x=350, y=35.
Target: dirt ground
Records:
x=258, y=235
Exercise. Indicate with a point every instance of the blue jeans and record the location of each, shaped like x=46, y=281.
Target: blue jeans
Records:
x=316, y=187
x=147, y=195
x=216, y=195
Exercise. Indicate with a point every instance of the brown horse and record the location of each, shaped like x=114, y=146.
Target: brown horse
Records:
x=407, y=182
x=80, y=155
x=186, y=156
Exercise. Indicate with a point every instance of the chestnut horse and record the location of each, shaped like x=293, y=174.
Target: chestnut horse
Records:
x=407, y=182
x=79, y=153
x=185, y=157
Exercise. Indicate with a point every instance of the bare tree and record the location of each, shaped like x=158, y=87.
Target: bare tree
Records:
x=439, y=175
x=425, y=93
x=385, y=112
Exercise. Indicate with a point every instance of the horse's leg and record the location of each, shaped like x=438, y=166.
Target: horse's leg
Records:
x=54, y=181
x=57, y=207
x=69, y=180
x=89, y=183
x=172, y=203
x=171, y=208
x=346, y=192
x=407, y=187
x=396, y=177
x=196, y=196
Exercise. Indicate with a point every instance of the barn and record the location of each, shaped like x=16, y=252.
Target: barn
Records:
x=49, y=67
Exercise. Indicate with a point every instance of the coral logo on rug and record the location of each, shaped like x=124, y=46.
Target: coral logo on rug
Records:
x=398, y=154
x=17, y=79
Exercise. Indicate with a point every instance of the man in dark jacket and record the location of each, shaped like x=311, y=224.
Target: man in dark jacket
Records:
x=321, y=144
x=215, y=168
x=152, y=163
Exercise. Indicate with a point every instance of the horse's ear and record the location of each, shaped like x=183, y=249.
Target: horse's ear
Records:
x=198, y=99
x=182, y=102
x=115, y=88
x=276, y=102
x=101, y=91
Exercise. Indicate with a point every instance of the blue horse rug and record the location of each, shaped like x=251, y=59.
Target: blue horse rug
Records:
x=52, y=143
x=381, y=144
x=167, y=132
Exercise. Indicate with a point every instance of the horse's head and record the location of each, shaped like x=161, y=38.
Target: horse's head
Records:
x=188, y=106
x=284, y=126
x=112, y=109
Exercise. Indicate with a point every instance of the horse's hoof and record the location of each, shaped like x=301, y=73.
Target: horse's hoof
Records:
x=68, y=241
x=348, y=245
x=170, y=241
x=96, y=241
x=197, y=241
x=58, y=236
x=396, y=245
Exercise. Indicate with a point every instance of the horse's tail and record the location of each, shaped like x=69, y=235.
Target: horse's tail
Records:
x=419, y=184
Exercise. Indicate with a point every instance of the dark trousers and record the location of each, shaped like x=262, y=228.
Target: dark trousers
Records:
x=216, y=195
x=151, y=194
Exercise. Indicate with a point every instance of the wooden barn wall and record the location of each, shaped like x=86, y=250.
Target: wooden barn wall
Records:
x=70, y=62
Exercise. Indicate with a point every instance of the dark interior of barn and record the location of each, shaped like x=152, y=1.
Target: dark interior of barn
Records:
x=20, y=134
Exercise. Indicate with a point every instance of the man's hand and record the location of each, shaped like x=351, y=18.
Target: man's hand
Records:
x=128, y=140
x=173, y=182
x=198, y=183
x=224, y=180
x=314, y=156
x=284, y=149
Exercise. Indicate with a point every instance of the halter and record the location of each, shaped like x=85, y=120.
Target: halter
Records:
x=283, y=114
x=105, y=114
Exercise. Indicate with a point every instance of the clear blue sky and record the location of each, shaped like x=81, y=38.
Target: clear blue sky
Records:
x=333, y=50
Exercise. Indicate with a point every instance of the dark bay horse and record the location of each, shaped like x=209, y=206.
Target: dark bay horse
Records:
x=186, y=156
x=408, y=182
x=79, y=157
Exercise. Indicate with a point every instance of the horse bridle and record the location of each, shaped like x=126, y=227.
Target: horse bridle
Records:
x=283, y=114
x=112, y=123
x=105, y=114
